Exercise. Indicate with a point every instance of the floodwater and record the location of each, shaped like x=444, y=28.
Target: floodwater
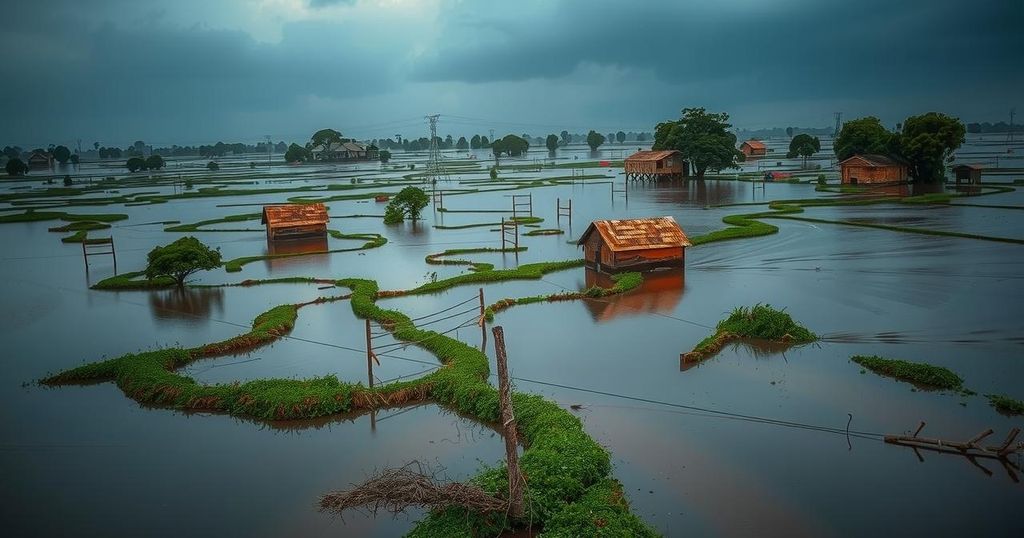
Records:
x=107, y=466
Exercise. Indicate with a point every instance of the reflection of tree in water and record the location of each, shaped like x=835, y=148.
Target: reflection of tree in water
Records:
x=188, y=303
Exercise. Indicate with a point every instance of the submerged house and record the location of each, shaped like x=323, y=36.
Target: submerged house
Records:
x=753, y=148
x=633, y=244
x=345, y=152
x=290, y=221
x=967, y=173
x=38, y=161
x=653, y=165
x=861, y=169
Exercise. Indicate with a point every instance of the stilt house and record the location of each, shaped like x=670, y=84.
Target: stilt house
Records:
x=653, y=165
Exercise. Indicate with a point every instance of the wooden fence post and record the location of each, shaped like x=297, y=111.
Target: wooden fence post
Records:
x=516, y=483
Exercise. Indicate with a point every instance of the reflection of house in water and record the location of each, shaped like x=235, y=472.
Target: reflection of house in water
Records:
x=290, y=221
x=293, y=249
x=661, y=292
x=633, y=244
x=188, y=303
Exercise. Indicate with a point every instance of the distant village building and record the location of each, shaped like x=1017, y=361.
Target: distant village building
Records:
x=39, y=161
x=967, y=173
x=861, y=169
x=633, y=244
x=291, y=221
x=345, y=152
x=753, y=148
x=654, y=165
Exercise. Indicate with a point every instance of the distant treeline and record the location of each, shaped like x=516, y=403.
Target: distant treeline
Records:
x=482, y=142
x=779, y=132
x=999, y=127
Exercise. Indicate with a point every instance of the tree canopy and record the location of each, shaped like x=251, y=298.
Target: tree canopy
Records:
x=566, y=139
x=474, y=143
x=323, y=139
x=551, y=142
x=620, y=137
x=408, y=202
x=135, y=164
x=462, y=143
x=181, y=259
x=803, y=145
x=927, y=142
x=16, y=167
x=702, y=138
x=384, y=156
x=296, y=154
x=511, y=145
x=594, y=140
x=864, y=135
x=212, y=166
x=154, y=162
x=61, y=154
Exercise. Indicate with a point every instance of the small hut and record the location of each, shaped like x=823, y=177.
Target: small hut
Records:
x=753, y=148
x=290, y=221
x=633, y=244
x=861, y=169
x=653, y=165
x=38, y=161
x=967, y=173
x=345, y=152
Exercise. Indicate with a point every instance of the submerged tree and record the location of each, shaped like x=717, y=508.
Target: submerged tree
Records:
x=803, y=145
x=181, y=259
x=620, y=137
x=462, y=144
x=296, y=154
x=407, y=203
x=61, y=154
x=154, y=162
x=928, y=142
x=702, y=138
x=135, y=164
x=594, y=140
x=384, y=156
x=863, y=136
x=551, y=142
x=212, y=166
x=16, y=167
x=323, y=139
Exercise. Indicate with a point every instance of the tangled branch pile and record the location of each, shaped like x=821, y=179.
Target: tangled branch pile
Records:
x=394, y=490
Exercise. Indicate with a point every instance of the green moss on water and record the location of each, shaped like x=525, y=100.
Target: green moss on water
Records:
x=919, y=373
x=133, y=281
x=760, y=322
x=1006, y=404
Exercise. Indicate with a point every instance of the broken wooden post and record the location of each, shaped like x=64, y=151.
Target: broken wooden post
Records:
x=483, y=309
x=969, y=448
x=508, y=424
x=371, y=357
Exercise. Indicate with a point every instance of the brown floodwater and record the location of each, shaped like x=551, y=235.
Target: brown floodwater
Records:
x=700, y=450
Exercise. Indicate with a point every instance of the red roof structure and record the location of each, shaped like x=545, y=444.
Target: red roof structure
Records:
x=653, y=165
x=634, y=243
x=753, y=148
x=295, y=220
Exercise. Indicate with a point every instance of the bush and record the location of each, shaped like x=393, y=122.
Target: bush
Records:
x=16, y=167
x=408, y=202
x=494, y=172
x=821, y=179
x=181, y=259
x=212, y=166
x=135, y=164
x=67, y=181
x=384, y=156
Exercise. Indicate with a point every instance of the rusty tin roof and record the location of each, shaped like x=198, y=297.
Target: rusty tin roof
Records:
x=294, y=214
x=651, y=155
x=638, y=234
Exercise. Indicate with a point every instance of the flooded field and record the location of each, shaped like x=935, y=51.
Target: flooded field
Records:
x=751, y=441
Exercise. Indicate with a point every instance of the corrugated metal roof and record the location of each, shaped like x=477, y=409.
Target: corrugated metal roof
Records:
x=874, y=159
x=969, y=166
x=638, y=234
x=754, y=144
x=353, y=146
x=294, y=214
x=651, y=155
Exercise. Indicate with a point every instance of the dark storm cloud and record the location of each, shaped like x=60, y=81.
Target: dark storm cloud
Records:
x=806, y=49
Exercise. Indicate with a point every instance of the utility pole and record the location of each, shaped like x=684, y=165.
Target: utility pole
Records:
x=516, y=484
x=1009, y=135
x=839, y=125
x=492, y=136
x=435, y=170
x=270, y=151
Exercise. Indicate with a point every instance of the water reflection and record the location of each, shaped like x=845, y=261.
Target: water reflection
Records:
x=188, y=303
x=293, y=249
x=661, y=291
x=693, y=192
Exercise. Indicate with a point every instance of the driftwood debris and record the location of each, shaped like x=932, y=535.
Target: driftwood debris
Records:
x=971, y=449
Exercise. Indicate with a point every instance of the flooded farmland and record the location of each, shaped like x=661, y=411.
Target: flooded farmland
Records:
x=767, y=440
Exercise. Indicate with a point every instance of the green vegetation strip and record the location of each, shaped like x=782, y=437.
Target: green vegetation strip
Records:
x=438, y=259
x=760, y=322
x=36, y=216
x=1006, y=404
x=570, y=490
x=545, y=231
x=925, y=375
x=623, y=282
x=372, y=241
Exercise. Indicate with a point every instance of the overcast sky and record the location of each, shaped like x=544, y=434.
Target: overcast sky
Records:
x=199, y=71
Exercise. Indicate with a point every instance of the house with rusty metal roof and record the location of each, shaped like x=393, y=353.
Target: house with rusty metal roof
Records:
x=655, y=165
x=967, y=173
x=753, y=148
x=290, y=221
x=345, y=152
x=871, y=168
x=633, y=244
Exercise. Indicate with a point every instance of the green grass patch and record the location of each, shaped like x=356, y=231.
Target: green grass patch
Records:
x=623, y=282
x=925, y=375
x=1006, y=404
x=132, y=281
x=761, y=322
x=545, y=231
x=439, y=258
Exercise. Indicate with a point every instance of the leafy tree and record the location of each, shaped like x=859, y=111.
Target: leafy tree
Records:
x=67, y=181
x=702, y=138
x=803, y=145
x=789, y=132
x=494, y=172
x=641, y=137
x=75, y=159
x=384, y=156
x=16, y=167
x=594, y=140
x=566, y=139
x=323, y=139
x=96, y=146
x=462, y=144
x=484, y=143
x=620, y=136
x=212, y=166
x=448, y=141
x=474, y=143
x=61, y=154
x=135, y=164
x=497, y=148
x=864, y=135
x=927, y=142
x=181, y=259
x=551, y=142
x=12, y=152
x=296, y=154
x=408, y=202
x=610, y=138
x=514, y=145
x=154, y=162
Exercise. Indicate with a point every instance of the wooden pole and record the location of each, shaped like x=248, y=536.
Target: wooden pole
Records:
x=113, y=252
x=369, y=355
x=482, y=308
x=516, y=483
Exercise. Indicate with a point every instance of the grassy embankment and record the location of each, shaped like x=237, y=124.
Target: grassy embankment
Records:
x=623, y=282
x=761, y=322
x=570, y=490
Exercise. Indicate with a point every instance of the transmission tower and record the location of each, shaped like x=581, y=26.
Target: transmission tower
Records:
x=1009, y=134
x=435, y=169
x=839, y=124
